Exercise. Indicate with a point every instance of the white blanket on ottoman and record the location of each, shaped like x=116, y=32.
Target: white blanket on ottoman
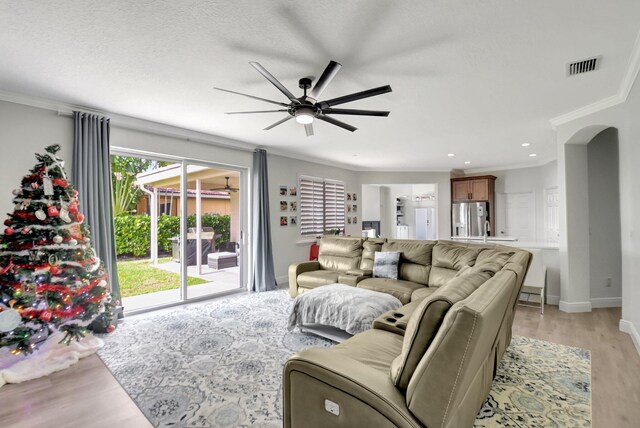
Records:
x=345, y=307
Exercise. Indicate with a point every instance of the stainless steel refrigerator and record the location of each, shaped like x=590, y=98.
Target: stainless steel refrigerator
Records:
x=468, y=218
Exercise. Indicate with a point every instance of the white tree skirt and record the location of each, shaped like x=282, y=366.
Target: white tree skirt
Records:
x=51, y=357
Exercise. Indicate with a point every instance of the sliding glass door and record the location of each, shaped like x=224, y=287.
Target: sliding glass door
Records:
x=178, y=227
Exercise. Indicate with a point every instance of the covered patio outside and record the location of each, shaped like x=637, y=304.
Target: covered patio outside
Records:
x=205, y=193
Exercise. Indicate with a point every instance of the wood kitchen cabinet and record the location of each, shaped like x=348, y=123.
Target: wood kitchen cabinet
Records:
x=476, y=189
x=465, y=189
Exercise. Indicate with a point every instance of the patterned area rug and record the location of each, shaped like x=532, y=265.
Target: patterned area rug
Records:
x=219, y=364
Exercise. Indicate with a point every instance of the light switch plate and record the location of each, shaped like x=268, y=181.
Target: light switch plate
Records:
x=332, y=407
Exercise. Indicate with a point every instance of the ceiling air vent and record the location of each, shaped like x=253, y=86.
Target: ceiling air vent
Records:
x=583, y=66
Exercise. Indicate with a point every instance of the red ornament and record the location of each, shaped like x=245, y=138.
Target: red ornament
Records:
x=73, y=207
x=60, y=182
x=110, y=328
x=79, y=217
x=7, y=222
x=54, y=270
x=46, y=315
x=75, y=193
x=25, y=230
x=8, y=231
x=52, y=210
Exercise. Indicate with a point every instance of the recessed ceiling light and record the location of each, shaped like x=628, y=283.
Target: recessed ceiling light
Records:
x=533, y=155
x=526, y=144
x=467, y=162
x=355, y=156
x=451, y=155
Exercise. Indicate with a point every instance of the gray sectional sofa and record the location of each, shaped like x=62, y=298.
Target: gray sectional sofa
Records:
x=430, y=363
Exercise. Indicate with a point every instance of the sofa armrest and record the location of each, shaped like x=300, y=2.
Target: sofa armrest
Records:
x=351, y=280
x=296, y=269
x=396, y=320
x=365, y=396
x=360, y=272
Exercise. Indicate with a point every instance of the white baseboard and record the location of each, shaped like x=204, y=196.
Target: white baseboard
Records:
x=573, y=307
x=552, y=300
x=606, y=302
x=281, y=280
x=628, y=327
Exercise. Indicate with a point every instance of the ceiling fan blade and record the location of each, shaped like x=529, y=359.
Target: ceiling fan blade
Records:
x=327, y=75
x=256, y=111
x=254, y=97
x=278, y=123
x=355, y=112
x=308, y=129
x=356, y=96
x=274, y=81
x=336, y=122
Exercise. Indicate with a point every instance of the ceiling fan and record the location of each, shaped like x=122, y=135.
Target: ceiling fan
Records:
x=226, y=187
x=307, y=107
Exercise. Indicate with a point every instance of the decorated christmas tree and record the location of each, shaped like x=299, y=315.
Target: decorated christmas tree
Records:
x=50, y=277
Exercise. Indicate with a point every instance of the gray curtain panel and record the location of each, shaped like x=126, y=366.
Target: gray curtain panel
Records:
x=92, y=177
x=264, y=278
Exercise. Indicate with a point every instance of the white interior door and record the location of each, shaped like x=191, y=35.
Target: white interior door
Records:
x=518, y=216
x=551, y=214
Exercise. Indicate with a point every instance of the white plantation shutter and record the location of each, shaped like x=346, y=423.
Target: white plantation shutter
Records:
x=333, y=205
x=321, y=205
x=311, y=205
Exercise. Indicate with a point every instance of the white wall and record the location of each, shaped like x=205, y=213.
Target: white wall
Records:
x=526, y=180
x=623, y=117
x=288, y=246
x=25, y=131
x=604, y=219
x=370, y=202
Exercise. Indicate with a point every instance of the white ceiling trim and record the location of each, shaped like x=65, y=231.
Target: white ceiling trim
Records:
x=517, y=166
x=129, y=122
x=626, y=85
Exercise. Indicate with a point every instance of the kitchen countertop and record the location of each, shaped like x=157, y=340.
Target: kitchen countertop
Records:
x=542, y=245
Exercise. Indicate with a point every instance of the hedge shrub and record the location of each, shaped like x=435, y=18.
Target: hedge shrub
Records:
x=133, y=232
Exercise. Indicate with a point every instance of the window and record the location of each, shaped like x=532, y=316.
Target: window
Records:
x=321, y=205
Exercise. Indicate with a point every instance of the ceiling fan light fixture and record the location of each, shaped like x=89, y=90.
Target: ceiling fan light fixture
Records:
x=304, y=115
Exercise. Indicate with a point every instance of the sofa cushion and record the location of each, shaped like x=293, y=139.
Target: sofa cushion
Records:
x=375, y=348
x=493, y=259
x=317, y=278
x=425, y=322
x=396, y=287
x=369, y=249
x=448, y=259
x=339, y=254
x=422, y=293
x=385, y=264
x=415, y=258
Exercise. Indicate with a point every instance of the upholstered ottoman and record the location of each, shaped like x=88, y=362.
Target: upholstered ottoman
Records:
x=348, y=309
x=222, y=260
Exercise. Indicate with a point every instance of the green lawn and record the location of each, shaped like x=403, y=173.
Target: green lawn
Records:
x=141, y=277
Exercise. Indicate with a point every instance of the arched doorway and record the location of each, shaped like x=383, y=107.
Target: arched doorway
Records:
x=591, y=245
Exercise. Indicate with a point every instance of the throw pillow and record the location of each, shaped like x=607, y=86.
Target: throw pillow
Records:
x=385, y=264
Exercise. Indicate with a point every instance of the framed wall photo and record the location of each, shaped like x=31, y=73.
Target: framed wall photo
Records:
x=293, y=206
x=283, y=220
x=348, y=196
x=355, y=220
x=293, y=220
x=283, y=190
x=355, y=197
x=355, y=209
x=348, y=220
x=284, y=206
x=293, y=191
x=348, y=208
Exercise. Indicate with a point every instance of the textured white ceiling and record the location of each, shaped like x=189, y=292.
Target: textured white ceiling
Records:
x=476, y=78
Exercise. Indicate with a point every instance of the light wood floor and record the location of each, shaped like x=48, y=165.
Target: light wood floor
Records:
x=86, y=395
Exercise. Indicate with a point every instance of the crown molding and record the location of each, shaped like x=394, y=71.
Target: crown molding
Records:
x=633, y=67
x=128, y=122
x=536, y=164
